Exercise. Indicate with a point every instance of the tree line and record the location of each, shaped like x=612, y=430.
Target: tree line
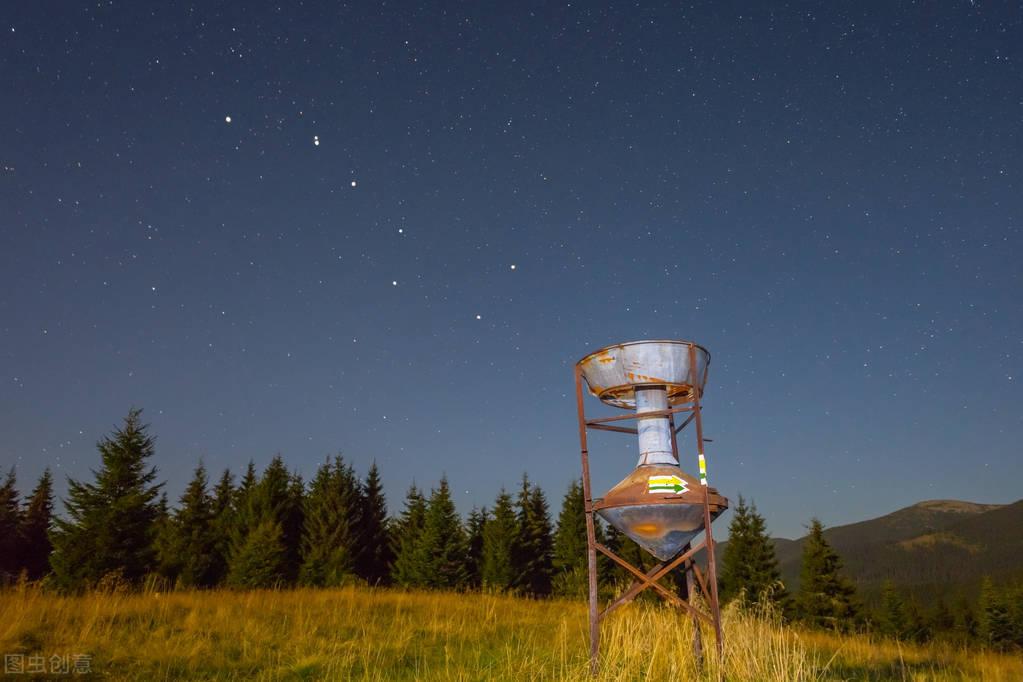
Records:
x=827, y=599
x=272, y=529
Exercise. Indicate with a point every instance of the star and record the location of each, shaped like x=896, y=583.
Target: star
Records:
x=227, y=119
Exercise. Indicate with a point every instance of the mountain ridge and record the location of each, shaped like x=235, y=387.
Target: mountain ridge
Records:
x=930, y=548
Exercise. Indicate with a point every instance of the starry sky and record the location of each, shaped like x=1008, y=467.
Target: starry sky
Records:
x=390, y=229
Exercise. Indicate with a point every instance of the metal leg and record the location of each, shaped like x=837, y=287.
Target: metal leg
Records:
x=712, y=574
x=690, y=588
x=591, y=537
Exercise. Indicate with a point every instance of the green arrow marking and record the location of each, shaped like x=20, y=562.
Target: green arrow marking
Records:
x=669, y=488
x=667, y=484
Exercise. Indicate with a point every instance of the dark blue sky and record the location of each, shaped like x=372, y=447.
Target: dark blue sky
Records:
x=828, y=196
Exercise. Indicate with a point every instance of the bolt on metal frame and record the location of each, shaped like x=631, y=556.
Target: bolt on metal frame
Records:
x=686, y=558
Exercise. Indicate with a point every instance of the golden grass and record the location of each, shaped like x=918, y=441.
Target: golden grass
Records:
x=363, y=634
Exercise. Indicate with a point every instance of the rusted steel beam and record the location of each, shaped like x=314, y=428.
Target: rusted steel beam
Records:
x=655, y=413
x=619, y=429
x=640, y=576
x=591, y=539
x=659, y=571
x=697, y=634
x=674, y=433
x=699, y=577
x=646, y=582
x=715, y=606
x=683, y=424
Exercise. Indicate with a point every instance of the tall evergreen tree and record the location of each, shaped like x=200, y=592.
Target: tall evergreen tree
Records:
x=375, y=556
x=262, y=561
x=474, y=526
x=1016, y=611
x=497, y=563
x=965, y=620
x=249, y=480
x=406, y=536
x=223, y=508
x=441, y=552
x=11, y=558
x=941, y=619
x=197, y=536
x=109, y=525
x=534, y=546
x=329, y=542
x=995, y=621
x=826, y=598
x=292, y=525
x=167, y=550
x=893, y=620
x=749, y=565
x=277, y=498
x=36, y=523
x=243, y=509
x=569, y=560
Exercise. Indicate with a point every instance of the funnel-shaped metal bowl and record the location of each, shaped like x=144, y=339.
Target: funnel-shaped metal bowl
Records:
x=660, y=507
x=613, y=373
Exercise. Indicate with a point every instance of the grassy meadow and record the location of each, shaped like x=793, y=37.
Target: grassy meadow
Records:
x=363, y=634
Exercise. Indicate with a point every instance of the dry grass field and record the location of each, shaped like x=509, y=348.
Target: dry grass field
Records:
x=362, y=634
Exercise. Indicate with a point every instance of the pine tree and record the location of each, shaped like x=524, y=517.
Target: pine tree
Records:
x=893, y=621
x=329, y=541
x=965, y=621
x=1016, y=613
x=197, y=538
x=995, y=622
x=292, y=525
x=262, y=562
x=734, y=578
x=534, y=545
x=749, y=565
x=941, y=619
x=826, y=598
x=11, y=558
x=110, y=523
x=441, y=553
x=406, y=535
x=242, y=519
x=36, y=522
x=474, y=526
x=497, y=567
x=276, y=498
x=167, y=545
x=249, y=480
x=375, y=556
x=569, y=561
x=223, y=509
x=917, y=628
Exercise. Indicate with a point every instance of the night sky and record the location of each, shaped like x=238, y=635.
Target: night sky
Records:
x=390, y=230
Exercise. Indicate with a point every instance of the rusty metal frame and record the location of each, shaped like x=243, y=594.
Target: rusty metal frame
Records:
x=643, y=580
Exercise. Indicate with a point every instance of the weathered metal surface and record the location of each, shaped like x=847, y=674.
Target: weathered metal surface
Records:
x=654, y=432
x=613, y=373
x=660, y=507
x=591, y=535
x=675, y=502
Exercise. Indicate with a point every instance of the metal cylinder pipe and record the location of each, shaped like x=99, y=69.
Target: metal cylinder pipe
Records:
x=654, y=432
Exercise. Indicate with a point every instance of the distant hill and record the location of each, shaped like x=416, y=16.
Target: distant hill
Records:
x=934, y=547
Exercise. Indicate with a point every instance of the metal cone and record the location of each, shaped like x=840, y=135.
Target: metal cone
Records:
x=660, y=507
